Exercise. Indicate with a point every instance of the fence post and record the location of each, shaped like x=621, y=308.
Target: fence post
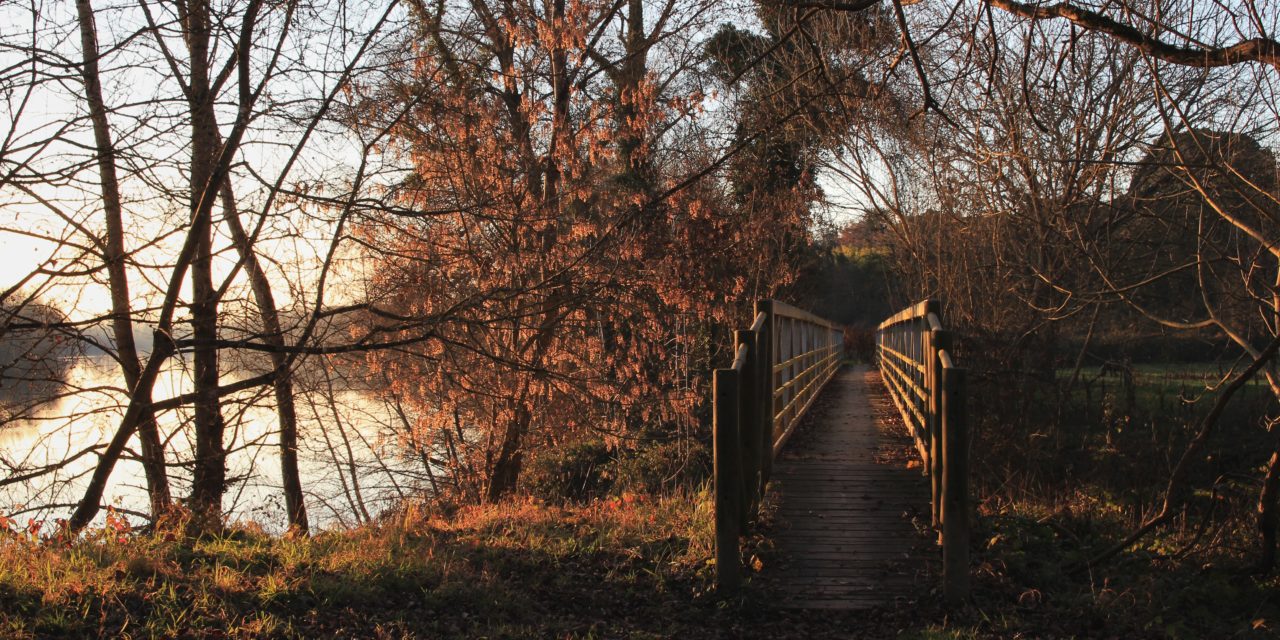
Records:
x=765, y=379
x=786, y=348
x=931, y=424
x=955, y=515
x=940, y=341
x=748, y=425
x=837, y=350
x=727, y=474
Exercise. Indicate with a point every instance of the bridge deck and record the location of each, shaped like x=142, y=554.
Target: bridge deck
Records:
x=847, y=498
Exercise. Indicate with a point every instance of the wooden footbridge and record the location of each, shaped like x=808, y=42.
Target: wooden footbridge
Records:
x=863, y=470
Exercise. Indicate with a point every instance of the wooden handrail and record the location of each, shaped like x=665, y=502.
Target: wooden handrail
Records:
x=780, y=364
x=928, y=388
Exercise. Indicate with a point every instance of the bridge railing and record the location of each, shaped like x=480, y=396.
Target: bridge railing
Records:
x=780, y=364
x=914, y=351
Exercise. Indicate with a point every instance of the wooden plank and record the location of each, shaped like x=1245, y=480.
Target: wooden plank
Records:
x=843, y=533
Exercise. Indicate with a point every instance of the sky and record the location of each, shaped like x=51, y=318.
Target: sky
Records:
x=148, y=120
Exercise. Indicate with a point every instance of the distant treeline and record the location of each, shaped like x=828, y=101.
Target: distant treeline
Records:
x=35, y=358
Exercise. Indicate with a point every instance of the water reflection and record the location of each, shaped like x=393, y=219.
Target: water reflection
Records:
x=351, y=457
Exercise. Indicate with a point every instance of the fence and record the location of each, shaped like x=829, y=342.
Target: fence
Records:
x=914, y=352
x=779, y=366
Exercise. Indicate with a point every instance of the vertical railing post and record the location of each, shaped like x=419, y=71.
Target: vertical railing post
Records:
x=955, y=515
x=942, y=341
x=838, y=336
x=835, y=350
x=917, y=355
x=766, y=381
x=933, y=426
x=748, y=422
x=727, y=477
x=788, y=372
x=810, y=357
x=807, y=364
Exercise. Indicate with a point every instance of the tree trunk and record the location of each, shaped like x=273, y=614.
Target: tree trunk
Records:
x=559, y=114
x=114, y=257
x=273, y=335
x=1267, y=517
x=505, y=471
x=195, y=21
x=208, y=481
x=635, y=163
x=352, y=468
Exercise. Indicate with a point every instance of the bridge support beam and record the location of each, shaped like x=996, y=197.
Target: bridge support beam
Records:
x=749, y=426
x=764, y=391
x=955, y=478
x=939, y=341
x=727, y=459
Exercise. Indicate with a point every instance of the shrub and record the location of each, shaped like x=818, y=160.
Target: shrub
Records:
x=663, y=466
x=573, y=473
x=860, y=343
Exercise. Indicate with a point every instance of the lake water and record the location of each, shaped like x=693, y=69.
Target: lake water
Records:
x=351, y=457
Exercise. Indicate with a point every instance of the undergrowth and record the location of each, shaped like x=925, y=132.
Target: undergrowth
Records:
x=1057, y=487
x=516, y=569
x=633, y=566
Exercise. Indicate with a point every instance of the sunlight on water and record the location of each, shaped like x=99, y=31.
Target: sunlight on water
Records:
x=351, y=461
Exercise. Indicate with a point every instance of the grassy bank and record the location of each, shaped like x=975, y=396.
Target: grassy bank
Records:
x=625, y=567
x=511, y=570
x=639, y=566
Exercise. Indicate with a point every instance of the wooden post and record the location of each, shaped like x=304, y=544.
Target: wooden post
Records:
x=786, y=339
x=765, y=378
x=939, y=341
x=933, y=465
x=955, y=515
x=727, y=475
x=748, y=426
x=835, y=351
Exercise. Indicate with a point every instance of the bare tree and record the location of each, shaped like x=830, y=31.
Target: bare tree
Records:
x=182, y=178
x=1082, y=154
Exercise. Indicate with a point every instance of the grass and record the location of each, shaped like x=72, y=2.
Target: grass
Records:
x=1032, y=580
x=517, y=569
x=639, y=566
x=634, y=567
x=1058, y=486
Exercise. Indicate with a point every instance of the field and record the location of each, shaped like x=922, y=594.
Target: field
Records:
x=1064, y=477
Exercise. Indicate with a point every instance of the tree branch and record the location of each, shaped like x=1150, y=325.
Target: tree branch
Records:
x=1265, y=50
